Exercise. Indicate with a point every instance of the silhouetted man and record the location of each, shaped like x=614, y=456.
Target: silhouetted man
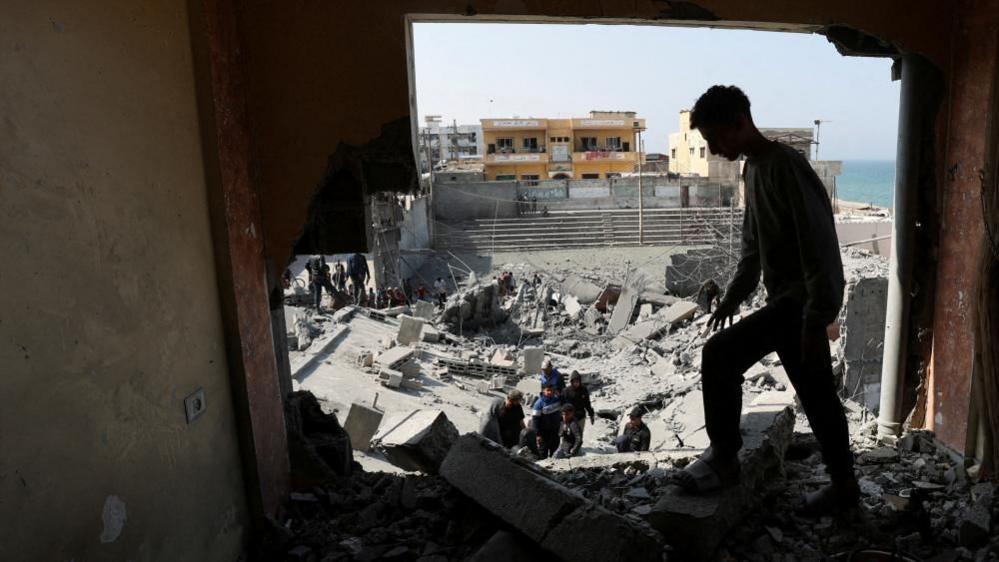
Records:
x=789, y=235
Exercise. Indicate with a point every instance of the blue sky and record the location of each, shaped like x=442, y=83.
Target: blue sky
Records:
x=477, y=70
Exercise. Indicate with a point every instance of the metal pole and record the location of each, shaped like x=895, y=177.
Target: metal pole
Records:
x=912, y=116
x=641, y=205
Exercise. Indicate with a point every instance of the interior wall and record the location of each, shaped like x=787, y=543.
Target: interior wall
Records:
x=109, y=295
x=971, y=102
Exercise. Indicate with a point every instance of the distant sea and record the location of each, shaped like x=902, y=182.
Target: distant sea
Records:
x=867, y=181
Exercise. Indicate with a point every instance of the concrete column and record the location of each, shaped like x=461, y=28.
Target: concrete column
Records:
x=913, y=116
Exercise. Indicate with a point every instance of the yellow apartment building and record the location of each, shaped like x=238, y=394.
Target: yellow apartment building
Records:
x=688, y=151
x=600, y=146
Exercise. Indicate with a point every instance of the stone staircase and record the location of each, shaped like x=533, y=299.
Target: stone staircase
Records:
x=590, y=229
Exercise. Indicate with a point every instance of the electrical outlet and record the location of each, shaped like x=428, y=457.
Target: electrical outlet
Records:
x=195, y=405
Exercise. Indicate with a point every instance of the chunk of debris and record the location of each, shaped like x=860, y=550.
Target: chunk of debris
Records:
x=623, y=310
x=583, y=291
x=318, y=447
x=678, y=312
x=488, y=475
x=424, y=310
x=409, y=330
x=533, y=358
x=696, y=524
x=418, y=440
x=361, y=425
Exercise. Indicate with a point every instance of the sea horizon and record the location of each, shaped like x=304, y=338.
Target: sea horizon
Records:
x=869, y=181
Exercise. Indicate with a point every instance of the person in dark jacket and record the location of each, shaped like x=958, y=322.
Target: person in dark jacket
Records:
x=546, y=421
x=636, y=436
x=357, y=269
x=579, y=396
x=570, y=434
x=504, y=421
x=788, y=235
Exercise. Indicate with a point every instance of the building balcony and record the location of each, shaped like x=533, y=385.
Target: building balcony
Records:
x=604, y=155
x=516, y=157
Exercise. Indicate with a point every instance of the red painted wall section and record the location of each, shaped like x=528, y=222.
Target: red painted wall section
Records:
x=242, y=271
x=961, y=232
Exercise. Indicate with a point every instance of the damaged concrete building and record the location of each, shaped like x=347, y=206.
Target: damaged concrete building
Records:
x=164, y=162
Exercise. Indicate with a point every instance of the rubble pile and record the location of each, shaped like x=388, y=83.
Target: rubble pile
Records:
x=635, y=345
x=377, y=516
x=915, y=501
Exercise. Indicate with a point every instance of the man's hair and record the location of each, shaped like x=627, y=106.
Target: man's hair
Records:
x=547, y=386
x=515, y=396
x=720, y=105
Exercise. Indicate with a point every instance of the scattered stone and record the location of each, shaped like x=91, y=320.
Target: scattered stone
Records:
x=880, y=455
x=974, y=526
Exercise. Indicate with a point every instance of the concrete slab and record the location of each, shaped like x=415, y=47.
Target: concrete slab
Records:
x=361, y=425
x=645, y=460
x=656, y=298
x=430, y=334
x=584, y=291
x=418, y=440
x=679, y=311
x=499, y=482
x=424, y=310
x=623, y=310
x=694, y=525
x=503, y=547
x=409, y=329
x=394, y=357
x=533, y=358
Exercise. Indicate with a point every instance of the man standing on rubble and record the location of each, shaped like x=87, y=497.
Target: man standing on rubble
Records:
x=357, y=269
x=789, y=235
x=551, y=377
x=547, y=420
x=504, y=421
x=636, y=436
x=579, y=396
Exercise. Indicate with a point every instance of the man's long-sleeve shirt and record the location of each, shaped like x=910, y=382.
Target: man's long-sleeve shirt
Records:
x=789, y=235
x=571, y=438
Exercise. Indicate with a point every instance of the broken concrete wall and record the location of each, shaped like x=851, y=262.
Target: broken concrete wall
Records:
x=862, y=344
x=475, y=200
x=104, y=195
x=689, y=270
x=474, y=307
x=415, y=231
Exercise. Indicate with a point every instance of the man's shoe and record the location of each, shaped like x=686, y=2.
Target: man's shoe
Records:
x=832, y=499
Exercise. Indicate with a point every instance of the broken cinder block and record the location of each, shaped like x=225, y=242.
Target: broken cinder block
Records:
x=409, y=329
x=418, y=440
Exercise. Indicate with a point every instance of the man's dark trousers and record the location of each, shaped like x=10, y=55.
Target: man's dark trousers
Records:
x=732, y=351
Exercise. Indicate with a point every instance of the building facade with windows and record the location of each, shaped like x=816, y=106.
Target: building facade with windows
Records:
x=602, y=145
x=689, y=154
x=448, y=142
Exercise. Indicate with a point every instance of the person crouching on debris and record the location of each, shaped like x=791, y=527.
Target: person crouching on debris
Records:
x=636, y=436
x=357, y=269
x=551, y=377
x=503, y=423
x=579, y=396
x=789, y=235
x=570, y=434
x=707, y=295
x=546, y=421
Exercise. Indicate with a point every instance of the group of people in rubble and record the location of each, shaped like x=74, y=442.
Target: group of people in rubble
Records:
x=558, y=419
x=506, y=283
x=345, y=284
